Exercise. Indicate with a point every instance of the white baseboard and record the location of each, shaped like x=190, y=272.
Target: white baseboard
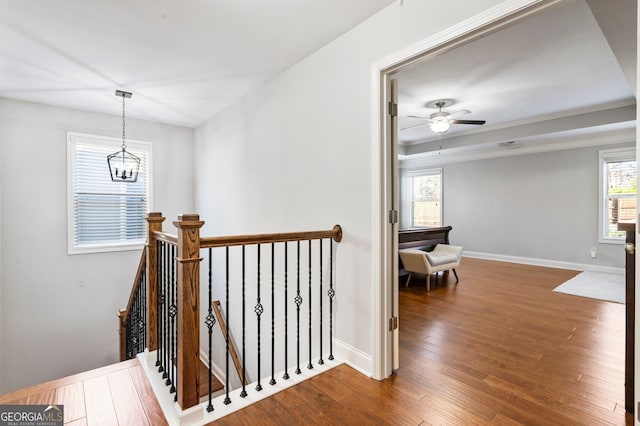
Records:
x=544, y=262
x=353, y=357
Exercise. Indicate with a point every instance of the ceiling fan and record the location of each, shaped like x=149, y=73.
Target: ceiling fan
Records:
x=441, y=121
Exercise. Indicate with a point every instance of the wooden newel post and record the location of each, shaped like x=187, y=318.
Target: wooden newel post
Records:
x=188, y=262
x=155, y=225
x=123, y=334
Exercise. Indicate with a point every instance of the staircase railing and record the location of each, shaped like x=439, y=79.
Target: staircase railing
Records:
x=133, y=319
x=295, y=270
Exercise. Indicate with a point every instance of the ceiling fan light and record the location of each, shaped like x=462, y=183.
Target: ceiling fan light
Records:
x=440, y=126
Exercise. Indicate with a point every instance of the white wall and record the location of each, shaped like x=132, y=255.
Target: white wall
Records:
x=542, y=206
x=2, y=137
x=296, y=153
x=51, y=325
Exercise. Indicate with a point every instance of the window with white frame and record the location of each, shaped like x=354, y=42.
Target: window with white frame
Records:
x=425, y=189
x=618, y=177
x=103, y=215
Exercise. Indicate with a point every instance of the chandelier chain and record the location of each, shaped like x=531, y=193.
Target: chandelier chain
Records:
x=123, y=165
x=123, y=122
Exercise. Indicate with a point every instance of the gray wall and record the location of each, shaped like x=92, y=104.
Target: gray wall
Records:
x=540, y=206
x=51, y=326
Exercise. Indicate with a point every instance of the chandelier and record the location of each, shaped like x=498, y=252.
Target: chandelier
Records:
x=123, y=165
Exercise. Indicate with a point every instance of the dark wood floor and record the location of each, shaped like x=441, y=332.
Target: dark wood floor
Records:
x=498, y=348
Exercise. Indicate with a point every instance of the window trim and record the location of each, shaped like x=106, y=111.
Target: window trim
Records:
x=424, y=172
x=116, y=143
x=605, y=156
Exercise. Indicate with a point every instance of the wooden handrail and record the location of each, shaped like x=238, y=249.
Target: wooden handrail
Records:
x=239, y=240
x=168, y=238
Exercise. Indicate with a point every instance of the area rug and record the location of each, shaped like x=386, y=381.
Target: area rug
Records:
x=595, y=285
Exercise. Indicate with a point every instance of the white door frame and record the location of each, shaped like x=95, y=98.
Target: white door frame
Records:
x=383, y=281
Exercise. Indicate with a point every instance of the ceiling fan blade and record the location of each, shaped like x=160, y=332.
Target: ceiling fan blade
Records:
x=459, y=113
x=478, y=122
x=415, y=125
x=417, y=116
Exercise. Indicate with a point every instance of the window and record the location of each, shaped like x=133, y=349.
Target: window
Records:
x=425, y=188
x=618, y=179
x=103, y=215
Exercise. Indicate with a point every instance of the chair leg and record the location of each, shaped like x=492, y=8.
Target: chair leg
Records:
x=428, y=282
x=408, y=279
x=456, y=275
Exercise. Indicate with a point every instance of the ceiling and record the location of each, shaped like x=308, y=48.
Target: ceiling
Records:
x=183, y=60
x=562, y=74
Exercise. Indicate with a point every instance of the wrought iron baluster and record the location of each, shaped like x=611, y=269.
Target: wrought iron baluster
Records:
x=210, y=321
x=273, y=316
x=227, y=400
x=167, y=302
x=259, y=309
x=134, y=324
x=127, y=333
x=134, y=329
x=244, y=367
x=331, y=293
x=143, y=297
x=174, y=261
x=320, y=361
x=298, y=301
x=158, y=304
x=139, y=323
x=169, y=336
x=173, y=310
x=310, y=365
x=131, y=337
x=161, y=307
x=286, y=321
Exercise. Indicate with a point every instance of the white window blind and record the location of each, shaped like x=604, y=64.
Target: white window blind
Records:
x=104, y=215
x=618, y=171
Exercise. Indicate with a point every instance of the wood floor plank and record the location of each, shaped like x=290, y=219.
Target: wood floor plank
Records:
x=145, y=393
x=126, y=402
x=99, y=402
x=72, y=397
x=47, y=397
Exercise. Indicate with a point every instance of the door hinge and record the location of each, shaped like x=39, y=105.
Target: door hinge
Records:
x=393, y=323
x=393, y=216
x=393, y=109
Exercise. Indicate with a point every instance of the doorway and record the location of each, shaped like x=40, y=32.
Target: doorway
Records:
x=458, y=37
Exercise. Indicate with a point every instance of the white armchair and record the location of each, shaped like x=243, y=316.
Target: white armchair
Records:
x=444, y=257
